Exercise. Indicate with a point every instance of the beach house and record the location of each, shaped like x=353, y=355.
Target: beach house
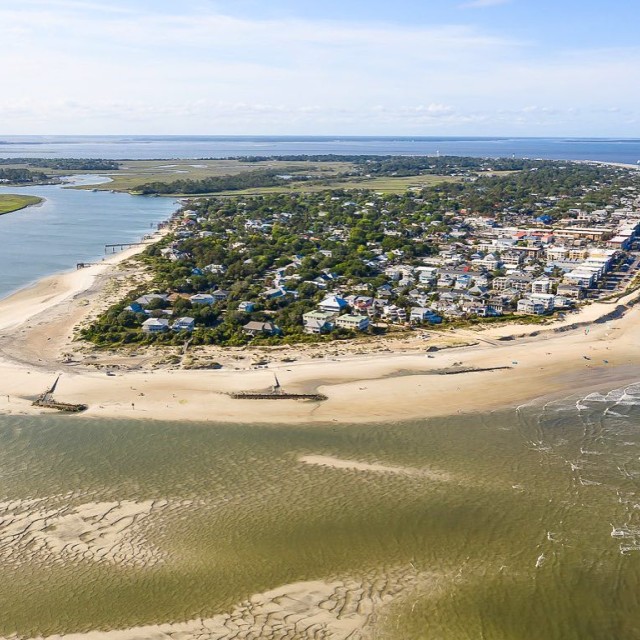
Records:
x=155, y=325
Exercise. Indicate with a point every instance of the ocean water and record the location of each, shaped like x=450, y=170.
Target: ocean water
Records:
x=161, y=147
x=516, y=525
x=71, y=226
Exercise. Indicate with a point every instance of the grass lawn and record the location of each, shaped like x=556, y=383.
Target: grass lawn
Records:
x=10, y=202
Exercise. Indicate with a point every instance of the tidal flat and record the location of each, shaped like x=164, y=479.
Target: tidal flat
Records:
x=518, y=524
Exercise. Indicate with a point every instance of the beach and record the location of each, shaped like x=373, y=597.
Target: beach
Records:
x=381, y=381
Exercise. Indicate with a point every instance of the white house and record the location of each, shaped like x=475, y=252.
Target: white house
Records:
x=420, y=314
x=318, y=321
x=531, y=307
x=202, y=298
x=350, y=321
x=155, y=325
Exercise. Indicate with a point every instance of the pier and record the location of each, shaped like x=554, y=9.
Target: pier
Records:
x=120, y=246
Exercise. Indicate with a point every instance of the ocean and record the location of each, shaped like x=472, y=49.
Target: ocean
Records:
x=521, y=524
x=176, y=147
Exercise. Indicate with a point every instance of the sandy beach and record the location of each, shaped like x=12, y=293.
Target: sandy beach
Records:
x=386, y=380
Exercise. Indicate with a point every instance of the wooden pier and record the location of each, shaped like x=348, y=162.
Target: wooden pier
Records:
x=120, y=246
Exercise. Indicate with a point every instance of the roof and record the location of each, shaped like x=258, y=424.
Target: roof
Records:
x=156, y=322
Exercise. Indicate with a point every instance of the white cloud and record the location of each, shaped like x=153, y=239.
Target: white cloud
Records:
x=83, y=67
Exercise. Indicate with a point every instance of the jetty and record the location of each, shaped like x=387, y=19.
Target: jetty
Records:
x=277, y=393
x=47, y=401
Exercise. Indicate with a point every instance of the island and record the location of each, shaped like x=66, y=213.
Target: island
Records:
x=10, y=202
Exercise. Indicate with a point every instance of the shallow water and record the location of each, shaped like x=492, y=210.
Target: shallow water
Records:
x=488, y=526
x=71, y=226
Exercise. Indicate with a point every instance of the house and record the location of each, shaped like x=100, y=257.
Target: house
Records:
x=202, y=298
x=220, y=294
x=531, y=307
x=261, y=328
x=542, y=285
x=333, y=304
x=246, y=306
x=422, y=314
x=547, y=299
x=272, y=294
x=135, y=307
x=184, y=324
x=351, y=321
x=146, y=300
x=318, y=322
x=571, y=291
x=155, y=325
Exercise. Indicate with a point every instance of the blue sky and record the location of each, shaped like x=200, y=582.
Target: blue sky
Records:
x=329, y=67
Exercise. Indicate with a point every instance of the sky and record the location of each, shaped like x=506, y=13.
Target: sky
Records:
x=321, y=67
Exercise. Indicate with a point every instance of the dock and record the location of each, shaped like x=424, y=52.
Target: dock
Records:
x=120, y=246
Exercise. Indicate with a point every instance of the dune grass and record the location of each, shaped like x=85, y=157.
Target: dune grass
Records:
x=10, y=202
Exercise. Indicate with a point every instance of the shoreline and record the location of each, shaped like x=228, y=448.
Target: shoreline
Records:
x=396, y=383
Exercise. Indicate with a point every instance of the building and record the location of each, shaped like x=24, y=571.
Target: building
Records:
x=202, y=298
x=422, y=314
x=219, y=295
x=184, y=324
x=333, y=304
x=155, y=325
x=542, y=285
x=350, y=321
x=246, y=306
x=261, y=328
x=531, y=307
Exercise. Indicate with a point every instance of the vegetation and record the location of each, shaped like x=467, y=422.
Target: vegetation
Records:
x=253, y=179
x=22, y=176
x=64, y=164
x=11, y=202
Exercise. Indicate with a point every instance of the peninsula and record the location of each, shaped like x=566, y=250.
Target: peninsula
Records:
x=523, y=284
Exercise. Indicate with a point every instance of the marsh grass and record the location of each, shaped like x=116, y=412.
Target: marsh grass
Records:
x=10, y=202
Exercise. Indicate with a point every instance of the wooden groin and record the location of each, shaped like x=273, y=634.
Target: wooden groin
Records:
x=277, y=393
x=65, y=407
x=46, y=401
x=248, y=395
